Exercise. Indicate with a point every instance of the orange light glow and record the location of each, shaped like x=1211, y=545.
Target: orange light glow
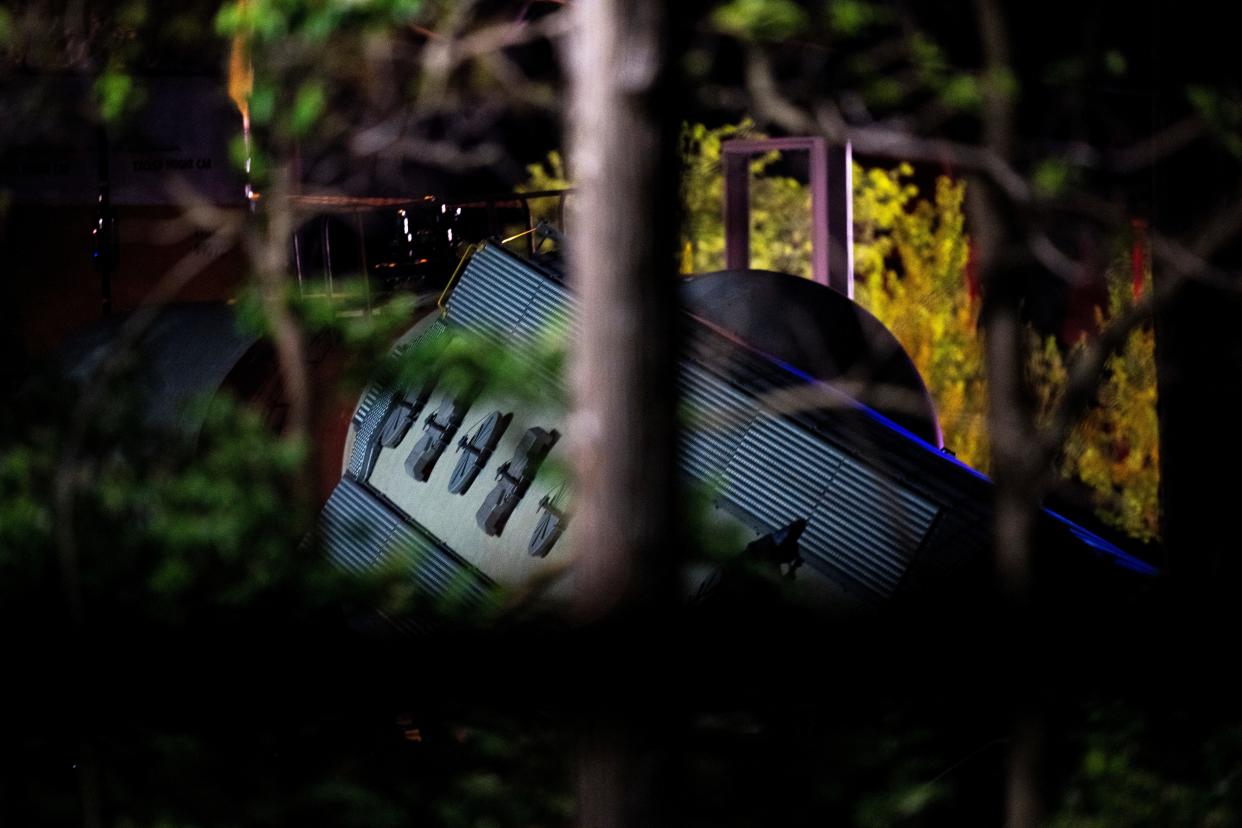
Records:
x=241, y=73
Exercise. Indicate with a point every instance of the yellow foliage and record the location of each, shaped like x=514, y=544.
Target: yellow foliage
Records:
x=548, y=175
x=910, y=259
x=780, y=217
x=910, y=256
x=780, y=214
x=928, y=307
x=1115, y=448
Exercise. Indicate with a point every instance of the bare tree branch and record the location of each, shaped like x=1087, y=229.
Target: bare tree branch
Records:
x=1221, y=229
x=772, y=105
x=1054, y=260
x=997, y=96
x=1144, y=154
x=268, y=245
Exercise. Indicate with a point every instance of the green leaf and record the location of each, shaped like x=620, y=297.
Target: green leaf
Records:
x=761, y=19
x=262, y=103
x=1223, y=113
x=239, y=152
x=6, y=25
x=884, y=91
x=1051, y=177
x=321, y=24
x=1203, y=99
x=307, y=108
x=915, y=799
x=1115, y=63
x=851, y=17
x=961, y=92
x=133, y=14
x=403, y=11
x=927, y=56
x=112, y=91
x=1000, y=81
x=229, y=19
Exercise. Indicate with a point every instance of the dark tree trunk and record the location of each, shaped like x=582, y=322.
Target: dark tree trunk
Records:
x=623, y=431
x=622, y=244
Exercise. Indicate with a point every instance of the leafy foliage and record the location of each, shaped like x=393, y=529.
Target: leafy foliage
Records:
x=910, y=271
x=1115, y=449
x=910, y=260
x=780, y=226
x=1144, y=767
x=1223, y=114
x=853, y=17
x=910, y=264
x=166, y=531
x=550, y=174
x=925, y=301
x=213, y=673
x=761, y=19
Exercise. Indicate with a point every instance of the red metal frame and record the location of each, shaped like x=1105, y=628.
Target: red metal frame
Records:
x=832, y=223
